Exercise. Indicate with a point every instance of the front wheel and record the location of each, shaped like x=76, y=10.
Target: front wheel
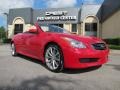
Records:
x=54, y=58
x=13, y=50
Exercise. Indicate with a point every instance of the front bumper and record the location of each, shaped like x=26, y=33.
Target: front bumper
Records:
x=73, y=57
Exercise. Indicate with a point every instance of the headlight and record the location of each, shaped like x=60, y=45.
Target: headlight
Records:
x=75, y=43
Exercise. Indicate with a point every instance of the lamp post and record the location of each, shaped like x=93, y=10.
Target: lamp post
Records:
x=6, y=14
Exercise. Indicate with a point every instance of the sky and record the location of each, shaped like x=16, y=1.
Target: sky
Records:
x=5, y=5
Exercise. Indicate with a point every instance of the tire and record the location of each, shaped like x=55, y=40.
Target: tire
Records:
x=13, y=50
x=54, y=58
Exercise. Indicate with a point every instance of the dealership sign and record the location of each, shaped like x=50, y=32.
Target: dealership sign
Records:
x=55, y=16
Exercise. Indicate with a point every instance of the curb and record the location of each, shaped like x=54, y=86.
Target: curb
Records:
x=115, y=52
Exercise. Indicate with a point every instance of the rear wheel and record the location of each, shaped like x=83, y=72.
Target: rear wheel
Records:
x=13, y=50
x=54, y=58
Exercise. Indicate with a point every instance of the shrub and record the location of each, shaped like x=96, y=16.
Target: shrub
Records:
x=114, y=47
x=2, y=32
x=114, y=41
x=5, y=40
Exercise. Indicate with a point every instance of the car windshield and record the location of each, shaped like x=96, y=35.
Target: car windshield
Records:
x=53, y=28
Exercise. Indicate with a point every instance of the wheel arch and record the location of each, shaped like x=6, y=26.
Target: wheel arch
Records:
x=51, y=43
x=11, y=42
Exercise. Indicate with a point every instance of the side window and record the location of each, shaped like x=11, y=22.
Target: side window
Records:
x=52, y=28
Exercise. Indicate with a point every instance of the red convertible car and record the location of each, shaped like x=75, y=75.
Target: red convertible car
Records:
x=60, y=49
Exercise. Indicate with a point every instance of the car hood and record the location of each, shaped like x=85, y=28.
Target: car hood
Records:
x=85, y=39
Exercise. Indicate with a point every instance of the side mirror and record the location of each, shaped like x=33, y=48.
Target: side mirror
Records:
x=33, y=31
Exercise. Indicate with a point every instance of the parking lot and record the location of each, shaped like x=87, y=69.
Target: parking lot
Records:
x=23, y=73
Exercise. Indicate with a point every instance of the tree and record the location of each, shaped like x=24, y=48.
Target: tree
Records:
x=2, y=32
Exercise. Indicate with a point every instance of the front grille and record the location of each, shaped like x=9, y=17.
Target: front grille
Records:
x=88, y=60
x=99, y=46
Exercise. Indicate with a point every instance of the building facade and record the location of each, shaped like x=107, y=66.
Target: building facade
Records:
x=111, y=19
x=88, y=20
x=83, y=21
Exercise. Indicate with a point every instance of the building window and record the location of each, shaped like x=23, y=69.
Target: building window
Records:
x=59, y=25
x=90, y=26
x=91, y=29
x=74, y=28
x=18, y=28
x=94, y=26
x=87, y=26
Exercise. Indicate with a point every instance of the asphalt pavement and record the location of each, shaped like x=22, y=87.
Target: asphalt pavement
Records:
x=23, y=73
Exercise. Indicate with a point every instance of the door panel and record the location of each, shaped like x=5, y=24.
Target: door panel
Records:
x=21, y=45
x=32, y=44
x=19, y=42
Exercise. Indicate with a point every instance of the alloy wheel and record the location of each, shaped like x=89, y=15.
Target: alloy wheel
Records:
x=53, y=58
x=13, y=50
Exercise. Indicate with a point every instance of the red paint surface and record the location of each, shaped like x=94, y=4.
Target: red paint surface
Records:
x=33, y=45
